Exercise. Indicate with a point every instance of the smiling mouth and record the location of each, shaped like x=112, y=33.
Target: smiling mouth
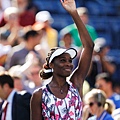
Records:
x=67, y=69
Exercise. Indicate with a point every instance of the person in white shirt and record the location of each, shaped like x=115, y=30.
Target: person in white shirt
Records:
x=18, y=103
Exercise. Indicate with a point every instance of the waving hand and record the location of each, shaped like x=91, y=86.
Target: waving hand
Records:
x=68, y=5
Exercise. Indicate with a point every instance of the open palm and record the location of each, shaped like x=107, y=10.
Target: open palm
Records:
x=69, y=5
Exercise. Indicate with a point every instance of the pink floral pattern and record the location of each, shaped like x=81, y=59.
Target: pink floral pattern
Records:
x=69, y=108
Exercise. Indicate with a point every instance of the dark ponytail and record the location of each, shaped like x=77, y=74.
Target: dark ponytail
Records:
x=47, y=72
x=44, y=74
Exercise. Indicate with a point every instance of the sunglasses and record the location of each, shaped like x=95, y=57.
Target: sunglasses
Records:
x=91, y=104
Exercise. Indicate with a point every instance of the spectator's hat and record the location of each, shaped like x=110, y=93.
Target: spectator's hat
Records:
x=44, y=16
x=10, y=10
x=82, y=11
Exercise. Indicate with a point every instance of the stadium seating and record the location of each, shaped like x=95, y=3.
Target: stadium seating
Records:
x=104, y=16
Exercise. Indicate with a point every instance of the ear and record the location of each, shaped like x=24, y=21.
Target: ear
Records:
x=5, y=86
x=51, y=65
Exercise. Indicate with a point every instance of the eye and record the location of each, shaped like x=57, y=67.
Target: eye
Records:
x=62, y=60
x=65, y=60
x=70, y=60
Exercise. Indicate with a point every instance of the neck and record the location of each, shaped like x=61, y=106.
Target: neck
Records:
x=67, y=46
x=109, y=93
x=58, y=84
x=61, y=86
x=29, y=46
x=7, y=94
x=58, y=81
x=38, y=83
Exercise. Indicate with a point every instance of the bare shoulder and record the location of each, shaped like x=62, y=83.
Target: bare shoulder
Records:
x=36, y=105
x=37, y=95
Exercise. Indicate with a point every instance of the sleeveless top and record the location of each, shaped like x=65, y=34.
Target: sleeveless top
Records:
x=69, y=108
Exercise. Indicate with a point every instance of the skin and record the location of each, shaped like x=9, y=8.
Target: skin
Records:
x=94, y=109
x=5, y=90
x=18, y=85
x=67, y=40
x=34, y=75
x=105, y=86
x=84, y=18
x=62, y=65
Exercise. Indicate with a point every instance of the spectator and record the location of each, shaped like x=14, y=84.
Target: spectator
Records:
x=100, y=61
x=50, y=35
x=18, y=103
x=31, y=39
x=15, y=73
x=33, y=80
x=26, y=76
x=67, y=42
x=3, y=5
x=26, y=17
x=83, y=13
x=12, y=29
x=105, y=83
x=96, y=101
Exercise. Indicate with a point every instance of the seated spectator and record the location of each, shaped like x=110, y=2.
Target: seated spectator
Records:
x=66, y=41
x=96, y=101
x=26, y=16
x=26, y=12
x=12, y=29
x=33, y=80
x=3, y=5
x=83, y=13
x=17, y=57
x=105, y=83
x=50, y=35
x=26, y=76
x=100, y=61
x=16, y=74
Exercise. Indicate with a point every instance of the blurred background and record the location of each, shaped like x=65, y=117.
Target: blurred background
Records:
x=104, y=17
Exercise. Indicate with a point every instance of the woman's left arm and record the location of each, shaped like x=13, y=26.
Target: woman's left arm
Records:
x=81, y=71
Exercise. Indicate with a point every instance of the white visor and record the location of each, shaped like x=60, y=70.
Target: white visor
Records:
x=71, y=51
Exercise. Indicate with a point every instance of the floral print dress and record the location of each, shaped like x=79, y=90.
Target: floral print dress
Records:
x=69, y=108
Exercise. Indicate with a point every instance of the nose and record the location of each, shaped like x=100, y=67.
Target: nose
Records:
x=69, y=64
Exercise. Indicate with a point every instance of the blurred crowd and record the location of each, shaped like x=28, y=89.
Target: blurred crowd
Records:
x=26, y=36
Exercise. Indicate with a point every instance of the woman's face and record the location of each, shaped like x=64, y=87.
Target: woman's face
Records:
x=62, y=65
x=93, y=106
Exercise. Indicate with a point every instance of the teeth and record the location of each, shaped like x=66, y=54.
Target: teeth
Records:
x=67, y=69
